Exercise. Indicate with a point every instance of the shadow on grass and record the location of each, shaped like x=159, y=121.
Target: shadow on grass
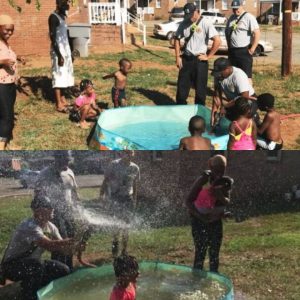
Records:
x=41, y=86
x=157, y=97
x=209, y=91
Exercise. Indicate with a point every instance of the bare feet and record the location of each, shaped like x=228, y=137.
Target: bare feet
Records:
x=84, y=125
x=62, y=109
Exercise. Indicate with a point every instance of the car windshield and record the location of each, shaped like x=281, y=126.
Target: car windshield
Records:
x=177, y=10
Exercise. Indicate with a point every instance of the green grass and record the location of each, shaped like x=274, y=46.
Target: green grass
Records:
x=152, y=81
x=261, y=255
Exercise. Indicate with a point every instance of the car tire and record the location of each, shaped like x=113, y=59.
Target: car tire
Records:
x=258, y=51
x=170, y=35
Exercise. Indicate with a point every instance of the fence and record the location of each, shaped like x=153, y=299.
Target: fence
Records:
x=105, y=13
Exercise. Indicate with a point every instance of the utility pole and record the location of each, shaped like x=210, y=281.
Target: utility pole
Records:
x=286, y=56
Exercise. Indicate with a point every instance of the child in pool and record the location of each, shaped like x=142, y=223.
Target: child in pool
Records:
x=196, y=141
x=242, y=132
x=209, y=199
x=126, y=270
x=269, y=130
x=120, y=76
x=85, y=105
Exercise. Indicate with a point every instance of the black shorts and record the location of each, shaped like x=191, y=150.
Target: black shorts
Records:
x=241, y=58
x=122, y=208
x=117, y=96
x=7, y=103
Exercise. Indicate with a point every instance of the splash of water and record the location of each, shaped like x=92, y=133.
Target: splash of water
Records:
x=100, y=220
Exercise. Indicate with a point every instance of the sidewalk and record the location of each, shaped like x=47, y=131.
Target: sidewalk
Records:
x=10, y=187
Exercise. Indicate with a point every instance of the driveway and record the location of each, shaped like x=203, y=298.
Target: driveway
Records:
x=275, y=38
x=271, y=34
x=12, y=187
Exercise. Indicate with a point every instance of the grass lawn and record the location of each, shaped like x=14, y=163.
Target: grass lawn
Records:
x=151, y=82
x=261, y=255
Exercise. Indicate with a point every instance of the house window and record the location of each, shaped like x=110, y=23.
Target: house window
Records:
x=224, y=4
x=274, y=155
x=158, y=3
x=157, y=155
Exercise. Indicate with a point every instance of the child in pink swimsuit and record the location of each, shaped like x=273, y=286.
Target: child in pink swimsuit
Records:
x=126, y=271
x=85, y=105
x=207, y=199
x=242, y=132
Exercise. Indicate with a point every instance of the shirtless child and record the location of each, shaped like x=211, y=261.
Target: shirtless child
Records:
x=120, y=76
x=269, y=130
x=196, y=141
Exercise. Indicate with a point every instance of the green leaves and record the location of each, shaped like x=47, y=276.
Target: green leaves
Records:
x=19, y=8
x=36, y=2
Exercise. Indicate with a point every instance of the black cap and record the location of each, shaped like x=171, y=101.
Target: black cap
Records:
x=189, y=10
x=41, y=202
x=220, y=65
x=236, y=4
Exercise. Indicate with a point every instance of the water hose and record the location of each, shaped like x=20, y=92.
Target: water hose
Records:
x=284, y=117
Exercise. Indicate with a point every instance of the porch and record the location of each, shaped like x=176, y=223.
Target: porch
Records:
x=271, y=11
x=118, y=13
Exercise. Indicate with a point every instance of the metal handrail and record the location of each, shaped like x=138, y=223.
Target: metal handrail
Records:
x=139, y=24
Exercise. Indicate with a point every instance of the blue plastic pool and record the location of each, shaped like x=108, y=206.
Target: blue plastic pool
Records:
x=152, y=128
x=158, y=281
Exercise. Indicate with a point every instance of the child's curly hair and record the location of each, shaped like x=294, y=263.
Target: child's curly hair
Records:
x=125, y=265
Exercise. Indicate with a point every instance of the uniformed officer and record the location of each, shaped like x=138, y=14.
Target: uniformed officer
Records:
x=192, y=59
x=242, y=35
x=230, y=84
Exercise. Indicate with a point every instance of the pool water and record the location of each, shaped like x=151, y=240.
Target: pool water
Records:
x=155, y=135
x=151, y=285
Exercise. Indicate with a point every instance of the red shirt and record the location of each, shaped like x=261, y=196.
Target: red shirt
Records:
x=119, y=293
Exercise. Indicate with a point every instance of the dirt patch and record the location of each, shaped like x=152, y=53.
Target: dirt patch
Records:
x=290, y=133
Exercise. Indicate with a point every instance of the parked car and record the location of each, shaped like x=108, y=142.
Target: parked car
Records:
x=263, y=45
x=215, y=17
x=166, y=29
x=28, y=178
x=176, y=13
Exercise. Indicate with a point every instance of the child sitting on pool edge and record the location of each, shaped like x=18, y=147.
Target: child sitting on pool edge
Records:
x=269, y=130
x=196, y=141
x=85, y=106
x=242, y=131
x=126, y=270
x=120, y=76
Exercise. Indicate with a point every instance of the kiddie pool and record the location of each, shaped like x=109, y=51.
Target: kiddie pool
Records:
x=152, y=128
x=157, y=281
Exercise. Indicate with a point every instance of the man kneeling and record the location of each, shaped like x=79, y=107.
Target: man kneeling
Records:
x=22, y=260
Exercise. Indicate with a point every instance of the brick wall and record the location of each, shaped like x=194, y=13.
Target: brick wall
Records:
x=259, y=184
x=251, y=6
x=105, y=35
x=31, y=30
